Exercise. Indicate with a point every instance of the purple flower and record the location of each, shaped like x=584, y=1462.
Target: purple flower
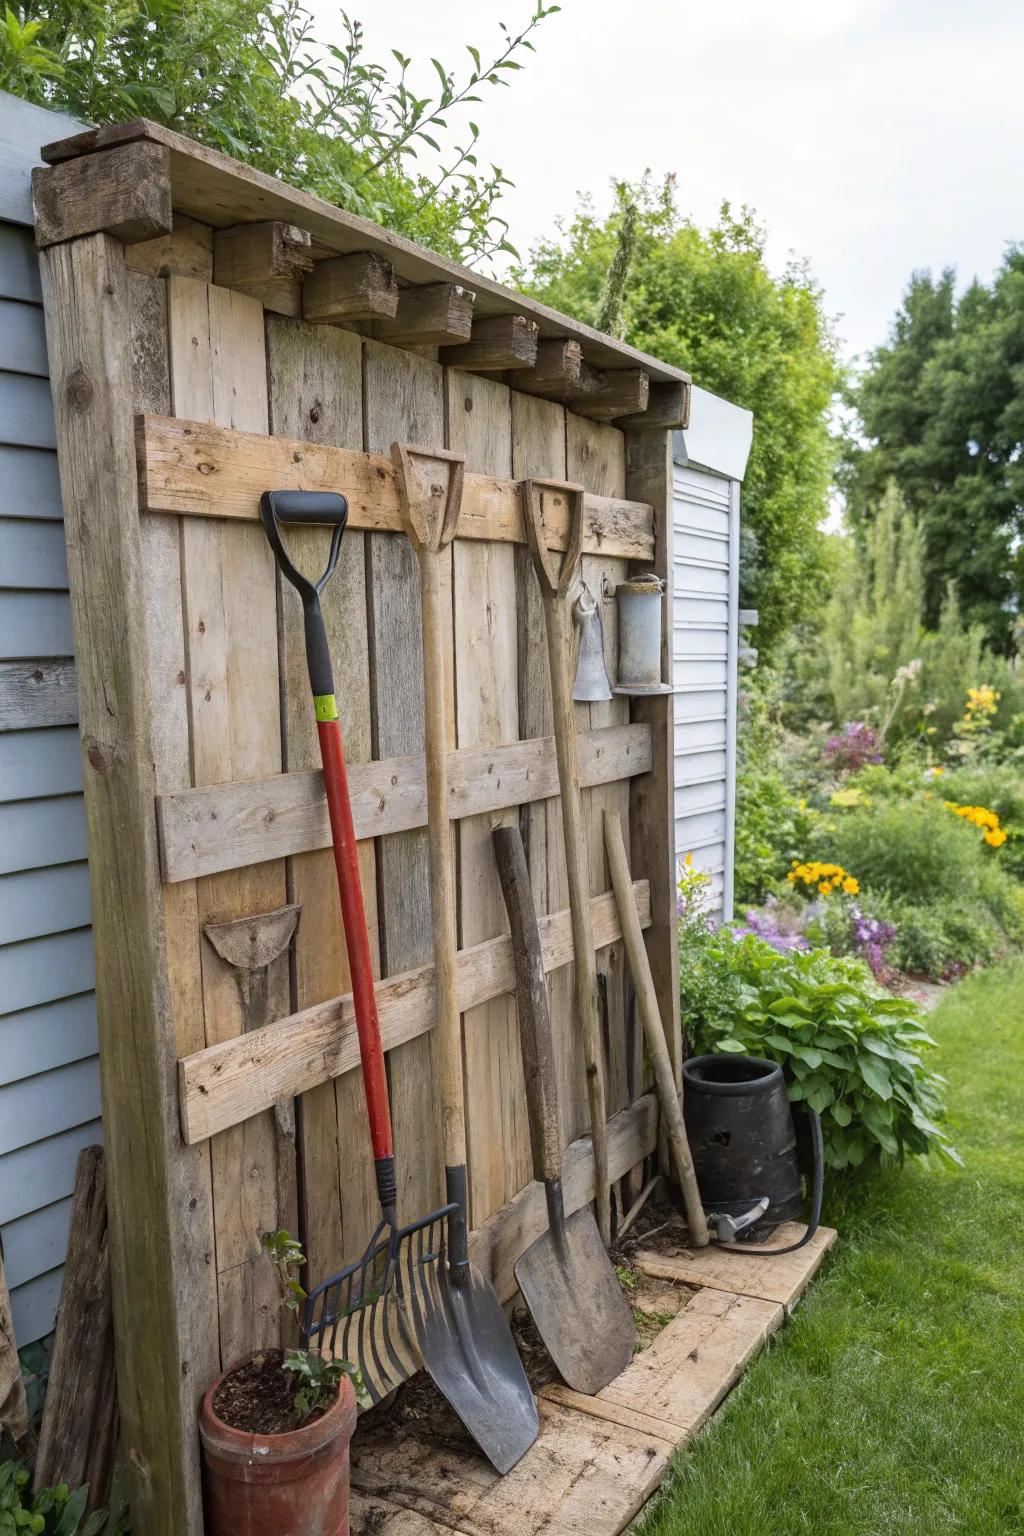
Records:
x=767, y=925
x=853, y=747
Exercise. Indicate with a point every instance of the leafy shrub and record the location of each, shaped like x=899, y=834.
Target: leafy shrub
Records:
x=55, y=1511
x=1001, y=788
x=772, y=828
x=941, y=941
x=849, y=1051
x=853, y=747
x=917, y=852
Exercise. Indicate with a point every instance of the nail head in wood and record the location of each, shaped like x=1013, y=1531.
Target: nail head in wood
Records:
x=357, y=287
x=497, y=345
x=124, y=192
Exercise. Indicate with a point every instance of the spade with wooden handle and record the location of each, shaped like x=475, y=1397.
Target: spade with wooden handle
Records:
x=557, y=576
x=650, y=1017
x=566, y=1276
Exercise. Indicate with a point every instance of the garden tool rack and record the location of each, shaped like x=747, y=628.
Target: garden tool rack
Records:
x=214, y=334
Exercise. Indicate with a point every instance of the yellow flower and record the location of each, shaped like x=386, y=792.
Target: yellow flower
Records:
x=824, y=888
x=996, y=838
x=851, y=886
x=688, y=861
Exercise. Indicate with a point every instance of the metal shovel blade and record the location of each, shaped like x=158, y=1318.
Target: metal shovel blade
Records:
x=467, y=1346
x=570, y=1287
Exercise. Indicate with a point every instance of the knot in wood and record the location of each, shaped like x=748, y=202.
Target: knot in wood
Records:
x=100, y=754
x=78, y=390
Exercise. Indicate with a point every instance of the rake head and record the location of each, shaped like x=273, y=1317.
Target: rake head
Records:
x=373, y=1311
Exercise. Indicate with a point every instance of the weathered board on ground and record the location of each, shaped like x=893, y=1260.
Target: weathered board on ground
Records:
x=747, y=1274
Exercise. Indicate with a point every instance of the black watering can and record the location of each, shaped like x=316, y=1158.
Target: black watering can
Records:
x=743, y=1138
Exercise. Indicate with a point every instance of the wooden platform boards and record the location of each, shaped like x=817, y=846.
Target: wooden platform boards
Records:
x=597, y=1460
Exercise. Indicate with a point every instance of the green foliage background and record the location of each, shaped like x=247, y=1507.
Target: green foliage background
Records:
x=706, y=301
x=941, y=411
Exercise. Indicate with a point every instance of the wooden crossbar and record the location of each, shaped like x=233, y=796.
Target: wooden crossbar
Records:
x=194, y=468
x=229, y=826
x=230, y=1082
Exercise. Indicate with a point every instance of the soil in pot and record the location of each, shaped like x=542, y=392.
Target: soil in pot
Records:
x=258, y=1396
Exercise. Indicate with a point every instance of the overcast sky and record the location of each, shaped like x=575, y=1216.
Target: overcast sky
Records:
x=872, y=136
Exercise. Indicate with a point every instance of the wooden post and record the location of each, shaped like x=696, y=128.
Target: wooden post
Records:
x=651, y=799
x=160, y=1265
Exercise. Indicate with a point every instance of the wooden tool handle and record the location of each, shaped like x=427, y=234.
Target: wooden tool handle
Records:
x=430, y=493
x=650, y=1017
x=556, y=589
x=531, y=1004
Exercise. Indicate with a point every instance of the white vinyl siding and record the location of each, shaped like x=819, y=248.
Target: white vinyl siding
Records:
x=49, y=1068
x=705, y=553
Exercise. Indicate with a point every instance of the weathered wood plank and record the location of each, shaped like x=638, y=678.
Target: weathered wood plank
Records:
x=579, y=1476
x=783, y=1279
x=684, y=1373
x=125, y=192
x=225, y=826
x=403, y=401
x=436, y=314
x=357, y=287
x=487, y=712
x=227, y=1083
x=153, y=1252
x=206, y=471
x=668, y=407
x=37, y=693
x=218, y=370
x=79, y=1407
x=504, y=342
x=316, y=393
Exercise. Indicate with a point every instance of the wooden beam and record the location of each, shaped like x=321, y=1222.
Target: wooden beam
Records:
x=652, y=800
x=186, y=252
x=230, y=1082
x=668, y=407
x=208, y=471
x=211, y=187
x=125, y=192
x=37, y=693
x=160, y=1261
x=503, y=343
x=434, y=315
x=346, y=288
x=76, y=1438
x=617, y=392
x=268, y=261
x=495, y=1247
x=228, y=826
x=557, y=372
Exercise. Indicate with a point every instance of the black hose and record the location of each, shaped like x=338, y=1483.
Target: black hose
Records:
x=818, y=1189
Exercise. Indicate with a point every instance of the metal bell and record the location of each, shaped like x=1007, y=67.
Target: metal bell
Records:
x=592, y=685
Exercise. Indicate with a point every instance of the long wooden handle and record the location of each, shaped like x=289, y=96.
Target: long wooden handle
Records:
x=560, y=649
x=442, y=875
x=531, y=1004
x=650, y=1017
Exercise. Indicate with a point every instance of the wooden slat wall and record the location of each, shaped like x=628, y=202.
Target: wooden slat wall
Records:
x=49, y=1075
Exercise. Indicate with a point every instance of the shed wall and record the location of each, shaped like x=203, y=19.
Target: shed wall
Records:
x=49, y=1072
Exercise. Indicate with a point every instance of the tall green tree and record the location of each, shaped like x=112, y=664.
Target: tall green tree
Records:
x=251, y=78
x=707, y=301
x=941, y=411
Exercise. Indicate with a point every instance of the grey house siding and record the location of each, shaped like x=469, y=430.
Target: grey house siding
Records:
x=49, y=1071
x=709, y=462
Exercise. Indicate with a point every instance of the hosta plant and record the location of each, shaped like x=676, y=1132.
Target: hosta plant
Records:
x=848, y=1050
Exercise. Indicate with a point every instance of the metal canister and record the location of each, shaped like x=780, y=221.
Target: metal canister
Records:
x=640, y=603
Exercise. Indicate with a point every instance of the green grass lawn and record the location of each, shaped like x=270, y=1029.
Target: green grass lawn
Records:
x=893, y=1402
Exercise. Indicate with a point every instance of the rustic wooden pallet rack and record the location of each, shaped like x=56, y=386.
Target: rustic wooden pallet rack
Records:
x=213, y=333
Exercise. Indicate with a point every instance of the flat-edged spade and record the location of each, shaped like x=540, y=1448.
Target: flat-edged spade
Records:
x=409, y=1301
x=463, y=1334
x=566, y=1276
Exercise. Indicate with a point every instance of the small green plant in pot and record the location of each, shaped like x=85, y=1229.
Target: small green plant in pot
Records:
x=275, y=1430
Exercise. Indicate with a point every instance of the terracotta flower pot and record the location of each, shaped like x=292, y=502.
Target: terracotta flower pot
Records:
x=295, y=1484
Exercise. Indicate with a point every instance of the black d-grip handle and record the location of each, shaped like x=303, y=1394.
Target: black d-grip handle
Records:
x=324, y=508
